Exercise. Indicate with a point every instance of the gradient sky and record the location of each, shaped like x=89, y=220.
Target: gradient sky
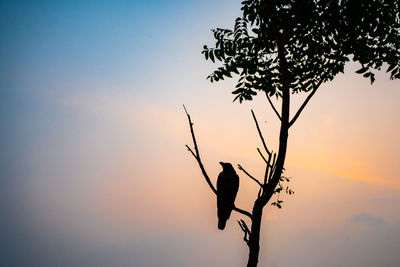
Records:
x=94, y=171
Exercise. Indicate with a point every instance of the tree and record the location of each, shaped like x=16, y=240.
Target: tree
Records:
x=292, y=46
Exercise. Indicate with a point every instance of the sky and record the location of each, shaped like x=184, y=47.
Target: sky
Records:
x=94, y=170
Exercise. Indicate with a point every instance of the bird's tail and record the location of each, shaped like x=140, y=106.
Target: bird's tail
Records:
x=221, y=224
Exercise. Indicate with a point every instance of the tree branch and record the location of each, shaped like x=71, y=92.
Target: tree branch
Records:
x=272, y=168
x=196, y=155
x=267, y=170
x=259, y=133
x=260, y=192
x=308, y=98
x=303, y=106
x=251, y=177
x=191, y=151
x=273, y=107
x=245, y=230
x=259, y=152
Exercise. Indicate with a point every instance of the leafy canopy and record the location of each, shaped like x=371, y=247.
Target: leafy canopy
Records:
x=317, y=36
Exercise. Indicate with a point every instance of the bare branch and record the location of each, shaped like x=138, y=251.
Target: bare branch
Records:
x=245, y=226
x=273, y=107
x=303, y=106
x=272, y=168
x=259, y=133
x=191, y=151
x=259, y=152
x=196, y=155
x=245, y=230
x=268, y=163
x=315, y=87
x=248, y=174
x=267, y=170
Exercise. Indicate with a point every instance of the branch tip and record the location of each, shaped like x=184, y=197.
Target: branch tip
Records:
x=249, y=175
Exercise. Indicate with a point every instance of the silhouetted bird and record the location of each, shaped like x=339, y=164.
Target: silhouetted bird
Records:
x=227, y=188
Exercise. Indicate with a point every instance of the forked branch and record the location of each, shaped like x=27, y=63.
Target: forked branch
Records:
x=259, y=152
x=272, y=168
x=269, y=167
x=273, y=107
x=196, y=155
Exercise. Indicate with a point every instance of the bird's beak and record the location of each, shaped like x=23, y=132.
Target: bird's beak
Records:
x=222, y=163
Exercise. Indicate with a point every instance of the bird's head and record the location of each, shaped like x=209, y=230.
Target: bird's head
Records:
x=226, y=166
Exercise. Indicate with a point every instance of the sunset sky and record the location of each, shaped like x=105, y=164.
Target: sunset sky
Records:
x=94, y=170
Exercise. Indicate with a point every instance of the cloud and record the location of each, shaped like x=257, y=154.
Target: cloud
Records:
x=365, y=218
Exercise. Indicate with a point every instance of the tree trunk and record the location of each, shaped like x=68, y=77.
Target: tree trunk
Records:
x=254, y=239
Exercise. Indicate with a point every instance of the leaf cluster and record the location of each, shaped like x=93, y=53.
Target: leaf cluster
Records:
x=318, y=37
x=282, y=188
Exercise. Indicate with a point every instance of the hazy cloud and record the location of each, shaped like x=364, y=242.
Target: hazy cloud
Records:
x=365, y=218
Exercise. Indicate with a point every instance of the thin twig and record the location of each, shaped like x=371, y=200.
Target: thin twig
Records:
x=259, y=132
x=245, y=230
x=267, y=162
x=245, y=226
x=191, y=151
x=250, y=176
x=273, y=107
x=259, y=152
x=196, y=155
x=267, y=170
x=273, y=168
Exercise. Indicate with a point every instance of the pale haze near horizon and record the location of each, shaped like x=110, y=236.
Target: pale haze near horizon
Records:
x=96, y=172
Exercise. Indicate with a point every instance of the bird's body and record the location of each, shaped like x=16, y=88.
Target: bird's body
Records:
x=227, y=188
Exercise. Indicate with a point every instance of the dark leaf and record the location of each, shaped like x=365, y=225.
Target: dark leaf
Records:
x=362, y=70
x=211, y=54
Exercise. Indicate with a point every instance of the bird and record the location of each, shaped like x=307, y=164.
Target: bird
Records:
x=227, y=188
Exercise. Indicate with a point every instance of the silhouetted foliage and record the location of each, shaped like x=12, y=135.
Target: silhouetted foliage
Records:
x=317, y=37
x=291, y=46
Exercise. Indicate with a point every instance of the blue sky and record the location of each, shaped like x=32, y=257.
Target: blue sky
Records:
x=95, y=170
